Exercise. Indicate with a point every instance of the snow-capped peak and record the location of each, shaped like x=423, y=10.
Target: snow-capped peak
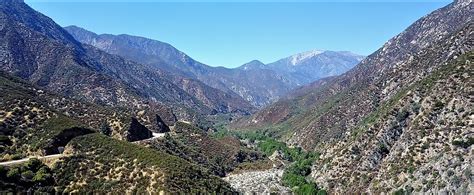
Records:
x=295, y=59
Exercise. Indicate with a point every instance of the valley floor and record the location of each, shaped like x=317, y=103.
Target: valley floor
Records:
x=258, y=182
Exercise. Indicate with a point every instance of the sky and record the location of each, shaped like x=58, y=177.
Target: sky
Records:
x=232, y=33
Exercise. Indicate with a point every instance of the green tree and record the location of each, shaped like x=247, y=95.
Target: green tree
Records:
x=105, y=128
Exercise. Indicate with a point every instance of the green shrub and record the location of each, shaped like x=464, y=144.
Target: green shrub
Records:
x=464, y=143
x=105, y=128
x=27, y=175
x=33, y=164
x=402, y=115
x=13, y=172
x=43, y=175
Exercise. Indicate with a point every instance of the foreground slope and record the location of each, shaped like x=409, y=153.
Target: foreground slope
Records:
x=96, y=163
x=34, y=122
x=103, y=165
x=257, y=83
x=396, y=118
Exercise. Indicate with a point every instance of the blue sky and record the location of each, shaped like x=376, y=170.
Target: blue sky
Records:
x=232, y=33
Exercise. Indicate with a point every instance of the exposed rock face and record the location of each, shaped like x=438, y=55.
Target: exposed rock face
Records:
x=63, y=138
x=258, y=182
x=137, y=131
x=255, y=82
x=384, y=124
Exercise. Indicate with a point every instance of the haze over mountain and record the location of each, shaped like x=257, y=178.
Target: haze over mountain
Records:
x=398, y=119
x=259, y=86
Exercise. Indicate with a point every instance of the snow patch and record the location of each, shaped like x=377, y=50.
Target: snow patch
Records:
x=295, y=59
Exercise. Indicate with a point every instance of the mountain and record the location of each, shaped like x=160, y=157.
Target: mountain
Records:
x=399, y=120
x=310, y=66
x=260, y=86
x=252, y=66
x=35, y=48
x=304, y=68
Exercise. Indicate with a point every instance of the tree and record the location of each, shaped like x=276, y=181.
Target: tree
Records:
x=105, y=128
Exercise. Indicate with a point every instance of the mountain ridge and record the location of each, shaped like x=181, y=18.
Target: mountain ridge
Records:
x=37, y=49
x=259, y=87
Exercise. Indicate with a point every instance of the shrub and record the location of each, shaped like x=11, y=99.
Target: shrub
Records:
x=438, y=105
x=13, y=173
x=464, y=143
x=27, y=175
x=105, y=128
x=33, y=164
x=4, y=140
x=43, y=175
x=402, y=115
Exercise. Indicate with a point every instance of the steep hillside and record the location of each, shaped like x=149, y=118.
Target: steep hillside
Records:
x=95, y=163
x=260, y=86
x=421, y=140
x=103, y=165
x=36, y=122
x=218, y=155
x=34, y=48
x=337, y=104
x=409, y=100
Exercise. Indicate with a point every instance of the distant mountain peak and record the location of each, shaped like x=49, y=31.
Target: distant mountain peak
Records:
x=254, y=64
x=305, y=55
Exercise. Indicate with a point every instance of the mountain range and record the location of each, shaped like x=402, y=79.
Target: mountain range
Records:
x=36, y=49
x=82, y=112
x=260, y=86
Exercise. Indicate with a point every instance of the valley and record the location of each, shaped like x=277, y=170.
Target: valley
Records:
x=82, y=112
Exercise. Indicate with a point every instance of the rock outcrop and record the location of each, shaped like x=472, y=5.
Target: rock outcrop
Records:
x=136, y=131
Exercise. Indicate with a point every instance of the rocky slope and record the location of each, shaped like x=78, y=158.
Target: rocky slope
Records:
x=408, y=100
x=258, y=182
x=257, y=83
x=34, y=121
x=34, y=48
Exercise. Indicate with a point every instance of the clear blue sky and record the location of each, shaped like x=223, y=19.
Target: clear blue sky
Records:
x=233, y=33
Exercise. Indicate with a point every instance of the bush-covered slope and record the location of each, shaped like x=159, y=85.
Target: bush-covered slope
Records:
x=219, y=155
x=101, y=164
x=34, y=121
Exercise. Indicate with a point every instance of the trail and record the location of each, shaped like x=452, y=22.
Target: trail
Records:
x=16, y=162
